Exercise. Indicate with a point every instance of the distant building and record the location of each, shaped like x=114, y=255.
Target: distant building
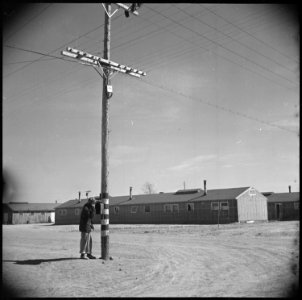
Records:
x=27, y=213
x=192, y=206
x=283, y=206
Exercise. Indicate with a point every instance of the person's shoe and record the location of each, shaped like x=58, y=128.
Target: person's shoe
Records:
x=83, y=256
x=90, y=256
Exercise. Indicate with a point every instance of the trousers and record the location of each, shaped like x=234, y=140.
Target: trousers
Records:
x=86, y=242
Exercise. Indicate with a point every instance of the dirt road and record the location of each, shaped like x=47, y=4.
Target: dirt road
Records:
x=236, y=260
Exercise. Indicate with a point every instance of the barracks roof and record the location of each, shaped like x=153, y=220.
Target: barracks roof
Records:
x=24, y=206
x=219, y=194
x=179, y=196
x=284, y=197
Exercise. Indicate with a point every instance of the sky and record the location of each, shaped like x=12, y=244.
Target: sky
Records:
x=220, y=101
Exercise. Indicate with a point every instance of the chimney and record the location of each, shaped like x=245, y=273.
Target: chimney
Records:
x=289, y=189
x=205, y=187
x=130, y=193
x=80, y=196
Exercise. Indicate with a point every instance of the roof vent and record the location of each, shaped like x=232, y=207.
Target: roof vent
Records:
x=130, y=193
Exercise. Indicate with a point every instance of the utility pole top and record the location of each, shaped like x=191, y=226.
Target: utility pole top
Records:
x=127, y=9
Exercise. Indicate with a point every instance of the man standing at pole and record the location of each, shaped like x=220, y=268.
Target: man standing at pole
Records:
x=108, y=67
x=85, y=228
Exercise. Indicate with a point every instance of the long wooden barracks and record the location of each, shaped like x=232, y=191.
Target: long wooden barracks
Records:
x=188, y=206
x=28, y=213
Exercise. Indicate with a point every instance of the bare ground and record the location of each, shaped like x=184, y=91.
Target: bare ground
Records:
x=235, y=260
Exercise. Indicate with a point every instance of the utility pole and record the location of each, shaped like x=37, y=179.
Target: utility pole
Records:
x=108, y=67
x=87, y=193
x=105, y=121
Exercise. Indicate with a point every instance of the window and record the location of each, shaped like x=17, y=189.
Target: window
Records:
x=167, y=208
x=190, y=206
x=77, y=211
x=171, y=208
x=62, y=212
x=175, y=208
x=116, y=210
x=296, y=205
x=147, y=208
x=214, y=205
x=224, y=206
x=133, y=209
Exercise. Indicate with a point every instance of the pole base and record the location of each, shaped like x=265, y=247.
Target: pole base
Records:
x=105, y=247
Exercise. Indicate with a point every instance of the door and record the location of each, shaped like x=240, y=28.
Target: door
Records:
x=278, y=208
x=5, y=218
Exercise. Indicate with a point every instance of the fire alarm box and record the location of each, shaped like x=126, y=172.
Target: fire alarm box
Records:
x=98, y=207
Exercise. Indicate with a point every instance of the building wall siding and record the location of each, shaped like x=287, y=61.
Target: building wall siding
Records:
x=67, y=216
x=31, y=217
x=71, y=216
x=202, y=214
x=252, y=207
x=286, y=211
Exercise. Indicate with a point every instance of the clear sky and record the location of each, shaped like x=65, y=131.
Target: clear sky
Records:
x=220, y=100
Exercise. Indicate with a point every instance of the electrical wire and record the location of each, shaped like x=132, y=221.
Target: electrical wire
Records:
x=57, y=77
x=247, y=33
x=36, y=52
x=225, y=58
x=235, y=40
x=59, y=48
x=26, y=61
x=179, y=93
x=220, y=45
x=216, y=106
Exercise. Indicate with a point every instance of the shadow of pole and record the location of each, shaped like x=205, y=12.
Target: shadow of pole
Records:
x=39, y=261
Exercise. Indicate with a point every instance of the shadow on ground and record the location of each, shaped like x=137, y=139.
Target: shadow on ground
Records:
x=39, y=261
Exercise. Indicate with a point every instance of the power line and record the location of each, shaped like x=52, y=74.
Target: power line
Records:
x=219, y=107
x=36, y=52
x=26, y=61
x=189, y=97
x=123, y=30
x=171, y=58
x=222, y=46
x=59, y=48
x=225, y=58
x=246, y=32
x=28, y=89
x=233, y=39
x=143, y=36
x=157, y=57
x=161, y=27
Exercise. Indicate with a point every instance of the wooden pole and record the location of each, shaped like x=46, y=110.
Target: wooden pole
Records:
x=218, y=214
x=105, y=134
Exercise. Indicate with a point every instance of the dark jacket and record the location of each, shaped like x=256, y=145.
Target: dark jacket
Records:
x=87, y=215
